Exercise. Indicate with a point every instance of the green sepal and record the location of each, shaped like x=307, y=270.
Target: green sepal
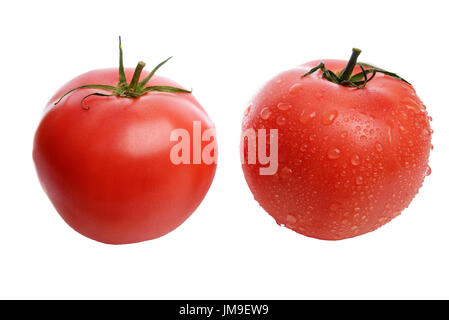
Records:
x=121, y=68
x=358, y=80
x=166, y=89
x=132, y=90
x=87, y=86
x=148, y=77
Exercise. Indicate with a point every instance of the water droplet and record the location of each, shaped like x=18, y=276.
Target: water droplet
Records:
x=291, y=219
x=284, y=106
x=403, y=115
x=414, y=108
x=334, y=153
x=428, y=171
x=281, y=120
x=312, y=137
x=286, y=172
x=389, y=135
x=363, y=138
x=329, y=117
x=247, y=110
x=379, y=147
x=295, y=89
x=344, y=134
x=355, y=160
x=359, y=180
x=265, y=113
x=303, y=147
x=305, y=116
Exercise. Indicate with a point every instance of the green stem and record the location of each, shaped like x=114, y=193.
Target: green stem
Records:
x=123, y=89
x=136, y=75
x=347, y=71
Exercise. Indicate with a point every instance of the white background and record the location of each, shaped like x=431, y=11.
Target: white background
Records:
x=229, y=248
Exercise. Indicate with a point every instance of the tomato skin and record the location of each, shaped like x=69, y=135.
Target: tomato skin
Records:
x=349, y=159
x=107, y=170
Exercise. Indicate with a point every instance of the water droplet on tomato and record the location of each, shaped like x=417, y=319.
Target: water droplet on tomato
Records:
x=312, y=137
x=359, y=180
x=284, y=106
x=286, y=172
x=428, y=171
x=363, y=138
x=329, y=117
x=334, y=153
x=379, y=147
x=414, y=108
x=281, y=120
x=355, y=160
x=389, y=135
x=295, y=89
x=403, y=115
x=265, y=113
x=247, y=110
x=305, y=116
x=303, y=147
x=344, y=134
x=291, y=219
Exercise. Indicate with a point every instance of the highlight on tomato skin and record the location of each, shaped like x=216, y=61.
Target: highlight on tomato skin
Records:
x=352, y=152
x=103, y=152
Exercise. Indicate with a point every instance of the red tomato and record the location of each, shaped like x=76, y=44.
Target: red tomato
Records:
x=107, y=170
x=350, y=159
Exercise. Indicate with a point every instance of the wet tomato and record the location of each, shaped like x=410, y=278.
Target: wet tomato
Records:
x=353, y=145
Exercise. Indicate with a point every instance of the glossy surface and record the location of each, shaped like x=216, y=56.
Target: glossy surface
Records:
x=350, y=160
x=107, y=170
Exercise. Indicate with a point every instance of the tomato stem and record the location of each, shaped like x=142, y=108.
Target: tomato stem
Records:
x=346, y=78
x=136, y=75
x=123, y=89
x=347, y=71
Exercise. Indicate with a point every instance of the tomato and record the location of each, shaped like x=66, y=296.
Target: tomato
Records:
x=352, y=153
x=105, y=162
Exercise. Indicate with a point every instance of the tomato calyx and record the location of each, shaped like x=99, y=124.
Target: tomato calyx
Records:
x=132, y=90
x=346, y=78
